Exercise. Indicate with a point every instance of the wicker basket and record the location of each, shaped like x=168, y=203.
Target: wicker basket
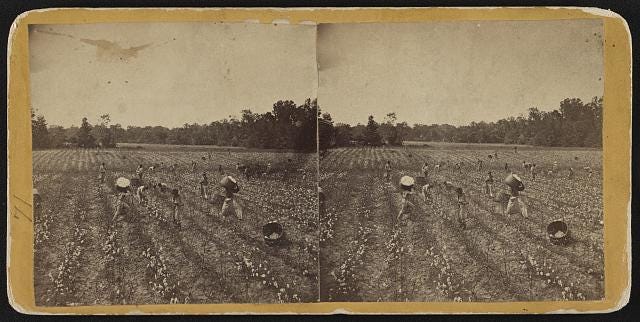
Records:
x=273, y=233
x=558, y=232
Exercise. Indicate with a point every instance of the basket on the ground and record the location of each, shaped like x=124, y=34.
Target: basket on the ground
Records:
x=273, y=232
x=558, y=232
x=421, y=180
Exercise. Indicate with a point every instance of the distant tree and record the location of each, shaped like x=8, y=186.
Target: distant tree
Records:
x=388, y=130
x=372, y=137
x=57, y=136
x=84, y=136
x=104, y=133
x=343, y=134
x=326, y=132
x=39, y=132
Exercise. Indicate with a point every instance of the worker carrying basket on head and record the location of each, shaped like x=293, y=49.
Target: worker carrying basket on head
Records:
x=516, y=203
x=230, y=206
x=123, y=187
x=408, y=204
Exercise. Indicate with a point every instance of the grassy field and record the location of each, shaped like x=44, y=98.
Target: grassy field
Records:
x=365, y=255
x=83, y=257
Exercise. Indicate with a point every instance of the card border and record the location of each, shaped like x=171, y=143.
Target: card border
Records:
x=616, y=152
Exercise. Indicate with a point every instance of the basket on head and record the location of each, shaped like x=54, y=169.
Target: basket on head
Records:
x=272, y=232
x=514, y=181
x=558, y=232
x=407, y=183
x=229, y=183
x=122, y=184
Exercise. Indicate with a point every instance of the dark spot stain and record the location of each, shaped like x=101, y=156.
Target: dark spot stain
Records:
x=599, y=78
x=126, y=81
x=613, y=45
x=108, y=82
x=586, y=40
x=109, y=50
x=174, y=39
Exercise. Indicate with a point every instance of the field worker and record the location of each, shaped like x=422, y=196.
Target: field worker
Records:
x=570, y=176
x=515, y=186
x=37, y=199
x=204, y=183
x=459, y=167
x=387, y=170
x=554, y=167
x=151, y=168
x=246, y=173
x=140, y=172
x=230, y=207
x=533, y=171
x=488, y=185
x=321, y=199
x=502, y=199
x=425, y=170
x=209, y=155
x=406, y=207
x=506, y=167
x=220, y=168
x=176, y=199
x=268, y=168
x=426, y=192
x=495, y=155
x=524, y=165
x=161, y=167
x=123, y=186
x=437, y=168
x=589, y=171
x=141, y=194
x=103, y=172
x=193, y=166
x=162, y=186
x=462, y=202
x=515, y=149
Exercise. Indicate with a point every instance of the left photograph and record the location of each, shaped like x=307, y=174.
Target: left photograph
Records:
x=174, y=163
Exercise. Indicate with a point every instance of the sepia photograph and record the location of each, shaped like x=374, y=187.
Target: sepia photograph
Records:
x=174, y=163
x=461, y=161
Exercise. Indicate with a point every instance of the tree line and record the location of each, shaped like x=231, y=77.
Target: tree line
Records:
x=574, y=124
x=286, y=126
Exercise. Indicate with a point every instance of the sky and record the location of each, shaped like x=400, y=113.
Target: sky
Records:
x=168, y=74
x=456, y=72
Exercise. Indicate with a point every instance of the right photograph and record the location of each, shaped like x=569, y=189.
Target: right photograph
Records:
x=461, y=161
